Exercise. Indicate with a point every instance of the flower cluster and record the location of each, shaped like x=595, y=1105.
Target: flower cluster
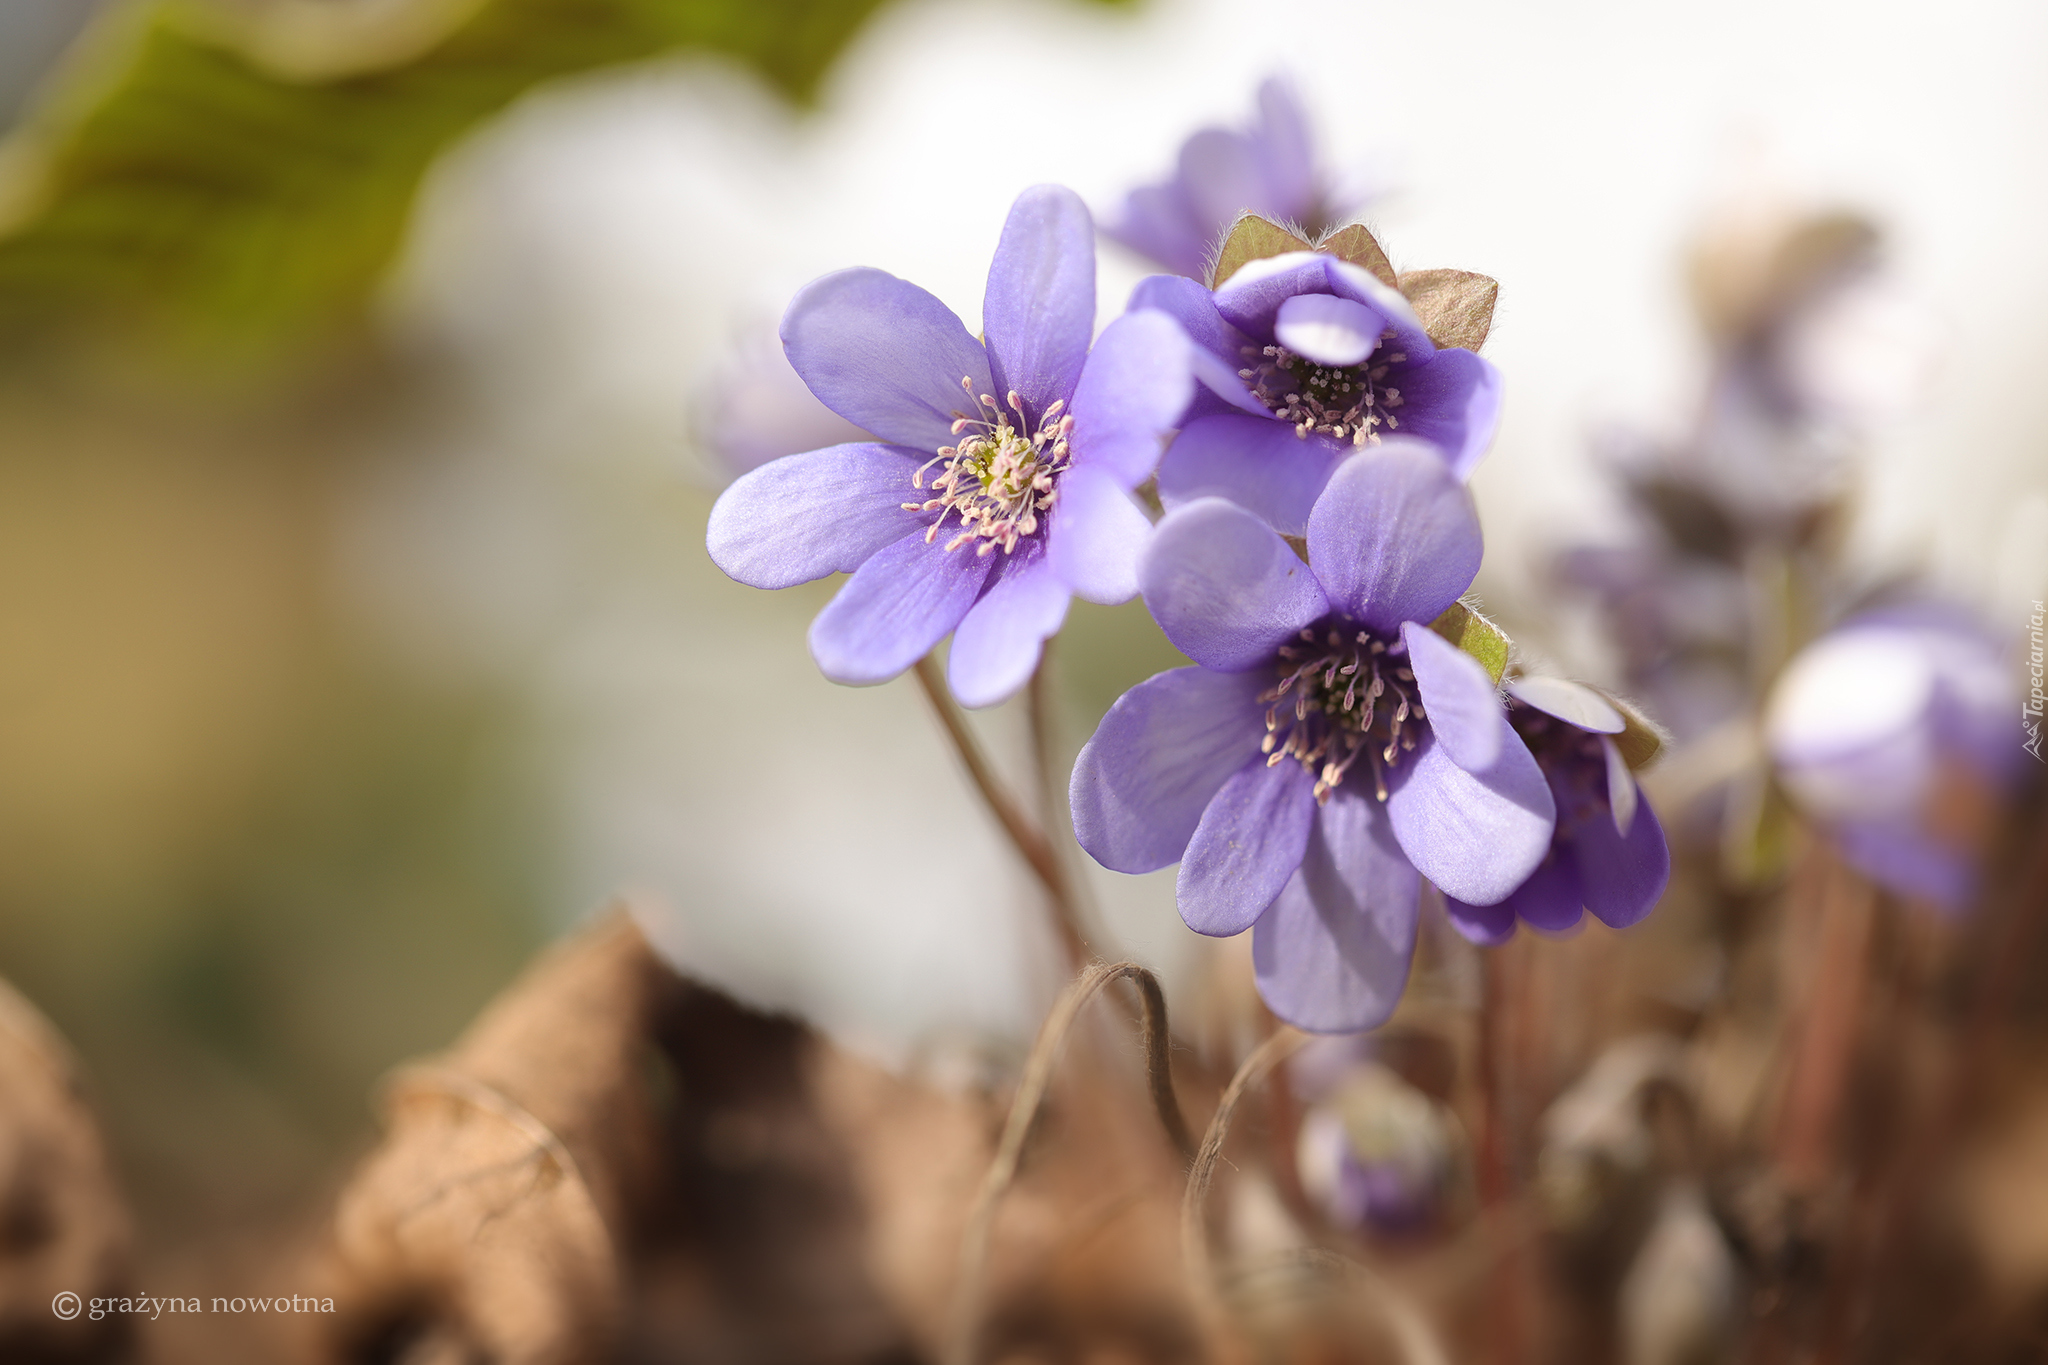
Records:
x=1306, y=417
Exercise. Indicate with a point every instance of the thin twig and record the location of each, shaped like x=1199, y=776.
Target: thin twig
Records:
x=1024, y=833
x=1031, y=1092
x=1194, y=1230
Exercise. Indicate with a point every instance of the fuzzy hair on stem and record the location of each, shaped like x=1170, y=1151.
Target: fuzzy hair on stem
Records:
x=1030, y=1097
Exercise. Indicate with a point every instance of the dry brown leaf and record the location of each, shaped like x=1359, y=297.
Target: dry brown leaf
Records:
x=492, y=1219
x=1456, y=306
x=1358, y=246
x=63, y=1225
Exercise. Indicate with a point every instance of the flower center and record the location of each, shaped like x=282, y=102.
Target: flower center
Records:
x=1350, y=403
x=1351, y=694
x=999, y=481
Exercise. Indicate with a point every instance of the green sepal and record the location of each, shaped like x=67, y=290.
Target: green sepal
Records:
x=1477, y=636
x=1641, y=739
x=1360, y=248
x=1253, y=239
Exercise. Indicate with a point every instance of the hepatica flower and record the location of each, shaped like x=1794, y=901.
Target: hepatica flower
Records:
x=1268, y=168
x=1305, y=357
x=1608, y=854
x=1000, y=482
x=1876, y=728
x=1328, y=749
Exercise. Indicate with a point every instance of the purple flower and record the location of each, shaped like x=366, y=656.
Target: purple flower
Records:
x=1608, y=854
x=1872, y=725
x=1304, y=358
x=972, y=513
x=1268, y=169
x=1328, y=749
x=1376, y=1153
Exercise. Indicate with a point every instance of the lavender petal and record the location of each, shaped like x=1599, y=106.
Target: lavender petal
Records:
x=1146, y=775
x=1332, y=952
x=1247, y=845
x=885, y=355
x=1039, y=308
x=1394, y=536
x=822, y=512
x=1226, y=590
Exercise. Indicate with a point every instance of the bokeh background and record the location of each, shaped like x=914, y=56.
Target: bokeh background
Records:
x=356, y=633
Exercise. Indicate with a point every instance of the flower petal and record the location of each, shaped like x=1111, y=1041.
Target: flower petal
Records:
x=894, y=609
x=1256, y=462
x=1452, y=402
x=1146, y=775
x=1411, y=340
x=1221, y=177
x=1286, y=151
x=1572, y=703
x=1623, y=796
x=999, y=641
x=1621, y=875
x=1096, y=535
x=1458, y=698
x=1328, y=330
x=1217, y=350
x=1250, y=299
x=1132, y=393
x=1039, y=308
x=1486, y=925
x=1394, y=536
x=1155, y=224
x=1226, y=590
x=1247, y=845
x=885, y=355
x=822, y=512
x=1332, y=953
x=1553, y=898
x=1477, y=835
x=1904, y=858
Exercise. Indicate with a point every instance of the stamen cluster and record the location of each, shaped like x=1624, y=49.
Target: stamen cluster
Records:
x=1347, y=403
x=998, y=481
x=1351, y=696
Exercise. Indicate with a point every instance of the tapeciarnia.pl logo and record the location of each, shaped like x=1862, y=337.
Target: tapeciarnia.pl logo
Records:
x=2030, y=712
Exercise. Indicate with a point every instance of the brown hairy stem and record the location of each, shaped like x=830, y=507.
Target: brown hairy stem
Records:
x=1025, y=833
x=1030, y=1097
x=1194, y=1231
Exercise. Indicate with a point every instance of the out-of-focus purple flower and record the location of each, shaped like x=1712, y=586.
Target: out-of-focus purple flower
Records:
x=1376, y=1153
x=1328, y=749
x=973, y=514
x=1870, y=723
x=758, y=408
x=1303, y=359
x=1268, y=168
x=1608, y=854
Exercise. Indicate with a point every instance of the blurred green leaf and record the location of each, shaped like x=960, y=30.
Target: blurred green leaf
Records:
x=225, y=183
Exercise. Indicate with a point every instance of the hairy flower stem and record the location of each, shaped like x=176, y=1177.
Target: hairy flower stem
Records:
x=1194, y=1223
x=1031, y=1091
x=1025, y=833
